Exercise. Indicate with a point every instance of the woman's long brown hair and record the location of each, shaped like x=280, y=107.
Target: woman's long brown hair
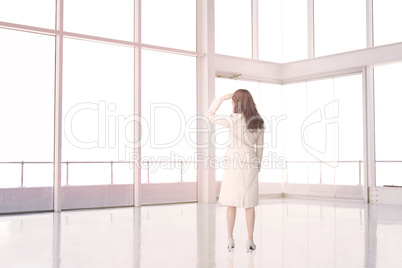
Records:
x=244, y=104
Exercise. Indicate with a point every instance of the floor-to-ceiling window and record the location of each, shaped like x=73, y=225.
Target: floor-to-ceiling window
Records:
x=388, y=130
x=26, y=119
x=323, y=136
x=313, y=135
x=97, y=128
x=100, y=76
x=169, y=116
x=168, y=102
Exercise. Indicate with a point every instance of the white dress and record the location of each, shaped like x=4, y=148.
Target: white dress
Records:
x=239, y=186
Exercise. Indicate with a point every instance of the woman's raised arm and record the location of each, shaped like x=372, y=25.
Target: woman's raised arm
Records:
x=222, y=120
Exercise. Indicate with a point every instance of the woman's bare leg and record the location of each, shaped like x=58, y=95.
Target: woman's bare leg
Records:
x=250, y=219
x=230, y=219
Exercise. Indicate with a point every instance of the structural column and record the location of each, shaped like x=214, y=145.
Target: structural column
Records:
x=137, y=104
x=205, y=95
x=369, y=131
x=58, y=116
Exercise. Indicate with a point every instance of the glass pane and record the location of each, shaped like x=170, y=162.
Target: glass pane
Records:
x=294, y=107
x=294, y=102
x=107, y=18
x=271, y=174
x=294, y=27
x=26, y=105
x=175, y=25
x=28, y=12
x=334, y=35
x=270, y=30
x=36, y=175
x=123, y=173
x=328, y=174
x=319, y=134
x=386, y=16
x=314, y=172
x=348, y=93
x=98, y=103
x=334, y=129
x=88, y=174
x=388, y=173
x=297, y=172
x=348, y=174
x=26, y=118
x=388, y=130
x=10, y=175
x=233, y=28
x=168, y=110
x=270, y=108
x=348, y=96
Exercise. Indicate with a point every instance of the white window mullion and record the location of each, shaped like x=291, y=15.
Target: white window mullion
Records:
x=369, y=23
x=310, y=29
x=254, y=25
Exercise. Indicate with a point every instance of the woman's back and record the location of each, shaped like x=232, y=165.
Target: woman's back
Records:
x=243, y=141
x=245, y=145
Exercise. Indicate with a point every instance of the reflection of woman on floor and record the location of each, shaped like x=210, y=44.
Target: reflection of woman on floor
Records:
x=239, y=188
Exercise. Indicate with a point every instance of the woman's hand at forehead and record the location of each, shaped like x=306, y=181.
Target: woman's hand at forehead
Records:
x=227, y=96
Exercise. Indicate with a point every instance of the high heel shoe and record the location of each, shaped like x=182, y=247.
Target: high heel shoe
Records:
x=250, y=246
x=231, y=244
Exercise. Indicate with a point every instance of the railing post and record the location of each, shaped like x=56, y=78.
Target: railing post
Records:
x=148, y=171
x=181, y=171
x=286, y=170
x=67, y=173
x=111, y=172
x=22, y=173
x=320, y=172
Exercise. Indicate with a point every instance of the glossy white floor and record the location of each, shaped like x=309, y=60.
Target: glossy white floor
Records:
x=289, y=233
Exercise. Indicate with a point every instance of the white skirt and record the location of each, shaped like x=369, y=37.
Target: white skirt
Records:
x=239, y=186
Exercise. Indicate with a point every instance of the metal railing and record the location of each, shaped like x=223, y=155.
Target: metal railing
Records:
x=22, y=163
x=321, y=163
x=147, y=163
x=68, y=163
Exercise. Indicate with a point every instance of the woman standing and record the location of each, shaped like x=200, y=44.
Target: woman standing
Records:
x=239, y=188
